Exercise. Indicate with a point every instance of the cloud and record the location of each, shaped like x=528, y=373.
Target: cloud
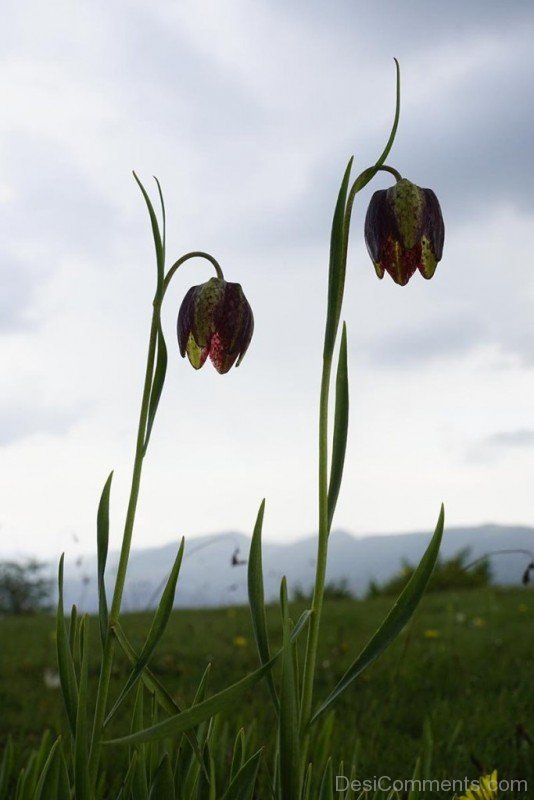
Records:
x=510, y=439
x=18, y=422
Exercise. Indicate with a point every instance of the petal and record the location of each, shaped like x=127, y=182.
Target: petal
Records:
x=379, y=224
x=185, y=319
x=221, y=359
x=196, y=355
x=433, y=225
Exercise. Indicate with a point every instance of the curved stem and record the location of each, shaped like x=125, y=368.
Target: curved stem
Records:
x=177, y=264
x=384, y=168
x=107, y=657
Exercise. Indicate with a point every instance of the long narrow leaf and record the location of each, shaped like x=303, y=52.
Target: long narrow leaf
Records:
x=81, y=749
x=207, y=708
x=289, y=712
x=242, y=785
x=395, y=620
x=102, y=539
x=67, y=674
x=341, y=424
x=8, y=761
x=256, y=599
x=158, y=381
x=158, y=242
x=157, y=629
x=336, y=276
x=326, y=792
x=163, y=784
x=47, y=785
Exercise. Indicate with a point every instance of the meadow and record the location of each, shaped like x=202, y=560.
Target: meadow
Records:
x=463, y=668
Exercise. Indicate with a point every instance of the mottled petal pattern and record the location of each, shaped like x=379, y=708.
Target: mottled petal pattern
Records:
x=215, y=319
x=404, y=231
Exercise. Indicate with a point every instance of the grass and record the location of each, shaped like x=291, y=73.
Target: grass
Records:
x=465, y=664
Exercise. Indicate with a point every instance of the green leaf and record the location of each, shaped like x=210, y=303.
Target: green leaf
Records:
x=63, y=788
x=157, y=629
x=341, y=424
x=163, y=784
x=206, y=778
x=139, y=777
x=336, y=276
x=256, y=599
x=395, y=620
x=47, y=786
x=8, y=761
x=163, y=218
x=289, y=712
x=102, y=539
x=238, y=753
x=306, y=791
x=152, y=683
x=67, y=674
x=81, y=750
x=242, y=785
x=158, y=242
x=326, y=792
x=158, y=381
x=205, y=709
x=72, y=630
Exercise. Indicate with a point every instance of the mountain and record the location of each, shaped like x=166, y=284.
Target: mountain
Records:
x=207, y=577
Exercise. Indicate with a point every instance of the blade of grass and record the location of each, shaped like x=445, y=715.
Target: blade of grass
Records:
x=81, y=748
x=102, y=539
x=157, y=629
x=242, y=785
x=47, y=786
x=205, y=709
x=67, y=673
x=289, y=712
x=163, y=784
x=256, y=599
x=395, y=620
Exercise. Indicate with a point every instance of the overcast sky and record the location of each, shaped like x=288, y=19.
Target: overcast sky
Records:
x=248, y=113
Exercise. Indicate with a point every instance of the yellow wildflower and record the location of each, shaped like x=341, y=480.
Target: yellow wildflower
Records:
x=483, y=789
x=240, y=641
x=432, y=634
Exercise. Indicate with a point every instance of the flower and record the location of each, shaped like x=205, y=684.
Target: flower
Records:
x=404, y=231
x=483, y=789
x=215, y=319
x=240, y=641
x=432, y=634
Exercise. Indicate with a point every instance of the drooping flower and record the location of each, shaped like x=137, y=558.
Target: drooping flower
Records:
x=215, y=320
x=404, y=231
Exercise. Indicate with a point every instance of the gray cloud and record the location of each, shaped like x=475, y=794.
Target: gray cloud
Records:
x=18, y=422
x=434, y=339
x=511, y=439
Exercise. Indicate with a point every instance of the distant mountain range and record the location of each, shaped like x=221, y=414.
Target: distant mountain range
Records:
x=209, y=578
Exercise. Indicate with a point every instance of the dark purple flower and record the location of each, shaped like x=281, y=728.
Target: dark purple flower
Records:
x=404, y=231
x=215, y=320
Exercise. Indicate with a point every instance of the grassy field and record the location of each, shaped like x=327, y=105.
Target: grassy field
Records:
x=465, y=664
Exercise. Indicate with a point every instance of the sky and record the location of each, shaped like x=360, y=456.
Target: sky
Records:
x=248, y=112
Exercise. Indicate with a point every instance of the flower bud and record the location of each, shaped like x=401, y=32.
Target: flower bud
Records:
x=404, y=231
x=215, y=320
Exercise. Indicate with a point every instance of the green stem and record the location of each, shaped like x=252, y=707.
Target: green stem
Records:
x=322, y=553
x=107, y=657
x=324, y=526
